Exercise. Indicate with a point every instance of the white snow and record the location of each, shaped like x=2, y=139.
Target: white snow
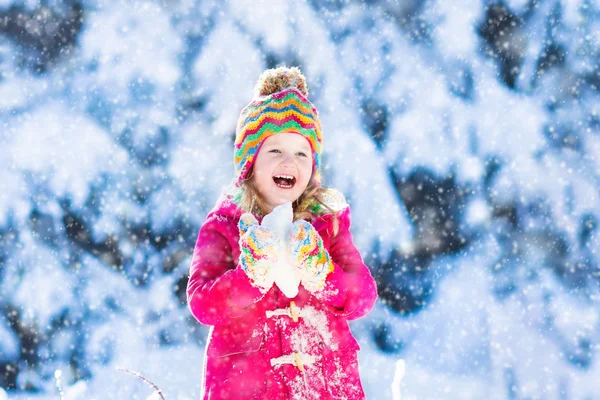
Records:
x=51, y=141
x=285, y=275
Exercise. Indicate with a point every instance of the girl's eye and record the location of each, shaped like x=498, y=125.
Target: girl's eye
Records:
x=301, y=153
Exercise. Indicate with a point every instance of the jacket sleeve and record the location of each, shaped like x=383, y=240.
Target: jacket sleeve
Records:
x=218, y=289
x=350, y=290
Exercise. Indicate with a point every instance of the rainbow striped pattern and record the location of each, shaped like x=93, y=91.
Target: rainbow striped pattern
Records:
x=284, y=111
x=259, y=248
x=310, y=256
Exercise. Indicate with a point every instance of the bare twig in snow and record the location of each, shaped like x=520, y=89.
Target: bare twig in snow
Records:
x=397, y=381
x=146, y=380
x=57, y=379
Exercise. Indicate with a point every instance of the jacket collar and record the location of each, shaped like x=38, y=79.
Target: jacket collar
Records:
x=226, y=207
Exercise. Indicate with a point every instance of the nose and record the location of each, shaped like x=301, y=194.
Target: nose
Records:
x=288, y=159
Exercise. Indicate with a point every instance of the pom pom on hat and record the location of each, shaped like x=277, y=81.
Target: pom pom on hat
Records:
x=277, y=79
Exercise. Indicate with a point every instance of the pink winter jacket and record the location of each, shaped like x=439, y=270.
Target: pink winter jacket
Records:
x=268, y=346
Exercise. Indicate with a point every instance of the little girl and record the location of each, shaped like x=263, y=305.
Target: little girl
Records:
x=262, y=344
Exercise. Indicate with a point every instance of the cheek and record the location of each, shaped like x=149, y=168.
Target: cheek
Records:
x=306, y=175
x=262, y=168
x=307, y=166
x=263, y=180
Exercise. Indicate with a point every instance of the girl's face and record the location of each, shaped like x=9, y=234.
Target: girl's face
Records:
x=283, y=168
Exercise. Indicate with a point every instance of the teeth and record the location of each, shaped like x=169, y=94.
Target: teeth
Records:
x=284, y=176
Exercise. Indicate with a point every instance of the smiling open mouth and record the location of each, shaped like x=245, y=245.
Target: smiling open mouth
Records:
x=284, y=181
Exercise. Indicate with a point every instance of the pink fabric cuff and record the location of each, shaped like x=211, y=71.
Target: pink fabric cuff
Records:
x=242, y=293
x=335, y=291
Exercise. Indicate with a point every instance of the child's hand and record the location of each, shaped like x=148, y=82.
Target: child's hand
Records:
x=259, y=251
x=309, y=255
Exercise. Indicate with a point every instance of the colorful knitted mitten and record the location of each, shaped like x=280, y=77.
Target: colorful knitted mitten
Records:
x=309, y=255
x=259, y=250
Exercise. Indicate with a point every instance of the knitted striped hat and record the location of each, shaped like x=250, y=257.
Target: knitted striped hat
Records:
x=280, y=105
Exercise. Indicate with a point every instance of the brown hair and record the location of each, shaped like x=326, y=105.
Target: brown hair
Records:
x=311, y=201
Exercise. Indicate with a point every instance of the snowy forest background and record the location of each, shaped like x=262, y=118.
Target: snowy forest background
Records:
x=465, y=134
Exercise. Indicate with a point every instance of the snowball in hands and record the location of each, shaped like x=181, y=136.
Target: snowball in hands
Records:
x=285, y=275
